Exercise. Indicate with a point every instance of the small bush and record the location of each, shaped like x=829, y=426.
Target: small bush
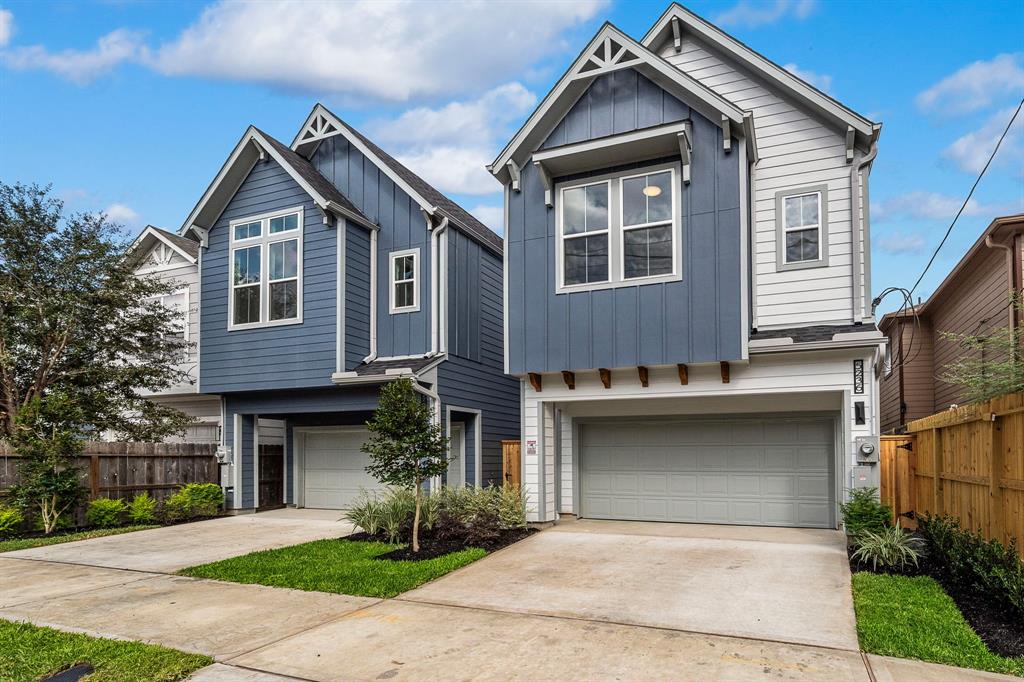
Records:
x=194, y=499
x=366, y=514
x=142, y=509
x=398, y=507
x=888, y=549
x=105, y=513
x=864, y=512
x=967, y=558
x=11, y=520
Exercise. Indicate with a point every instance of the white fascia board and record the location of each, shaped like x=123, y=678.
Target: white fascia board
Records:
x=346, y=132
x=575, y=81
x=751, y=59
x=221, y=177
x=152, y=232
x=815, y=345
x=350, y=216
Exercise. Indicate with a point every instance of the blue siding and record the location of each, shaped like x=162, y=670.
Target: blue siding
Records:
x=357, y=296
x=402, y=227
x=697, y=319
x=299, y=355
x=617, y=102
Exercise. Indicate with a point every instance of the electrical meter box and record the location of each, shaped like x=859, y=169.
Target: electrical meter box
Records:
x=224, y=455
x=864, y=477
x=866, y=449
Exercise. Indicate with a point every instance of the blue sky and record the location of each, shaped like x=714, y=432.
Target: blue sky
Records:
x=131, y=107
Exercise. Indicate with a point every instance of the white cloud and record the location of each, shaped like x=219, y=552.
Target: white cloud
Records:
x=751, y=14
x=931, y=206
x=971, y=151
x=394, y=50
x=6, y=26
x=491, y=216
x=976, y=86
x=899, y=243
x=449, y=145
x=120, y=213
x=79, y=66
x=822, y=81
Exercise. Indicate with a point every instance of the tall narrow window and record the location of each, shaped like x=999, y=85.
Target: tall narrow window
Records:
x=266, y=270
x=404, y=281
x=802, y=225
x=647, y=225
x=585, y=234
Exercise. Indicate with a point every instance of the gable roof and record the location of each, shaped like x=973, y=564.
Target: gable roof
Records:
x=322, y=123
x=253, y=146
x=185, y=247
x=609, y=50
x=795, y=87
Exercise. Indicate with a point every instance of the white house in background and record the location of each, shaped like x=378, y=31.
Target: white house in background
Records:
x=173, y=257
x=687, y=290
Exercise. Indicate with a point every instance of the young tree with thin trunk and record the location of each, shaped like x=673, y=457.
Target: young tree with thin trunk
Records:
x=406, y=447
x=74, y=321
x=990, y=363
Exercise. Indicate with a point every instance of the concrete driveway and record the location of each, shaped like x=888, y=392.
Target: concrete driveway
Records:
x=780, y=584
x=172, y=548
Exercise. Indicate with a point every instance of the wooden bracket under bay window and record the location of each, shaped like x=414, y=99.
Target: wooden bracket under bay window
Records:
x=684, y=374
x=569, y=378
x=725, y=372
x=606, y=377
x=535, y=381
x=642, y=371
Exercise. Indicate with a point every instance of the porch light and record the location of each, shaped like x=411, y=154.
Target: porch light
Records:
x=652, y=190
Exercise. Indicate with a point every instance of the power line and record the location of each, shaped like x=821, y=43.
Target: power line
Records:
x=969, y=195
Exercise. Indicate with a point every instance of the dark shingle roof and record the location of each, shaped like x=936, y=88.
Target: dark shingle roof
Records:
x=311, y=175
x=821, y=332
x=380, y=367
x=189, y=246
x=466, y=221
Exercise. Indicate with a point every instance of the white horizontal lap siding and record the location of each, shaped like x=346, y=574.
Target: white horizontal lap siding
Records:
x=185, y=274
x=796, y=151
x=781, y=375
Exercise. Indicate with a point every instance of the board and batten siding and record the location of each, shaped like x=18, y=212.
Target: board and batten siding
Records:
x=402, y=226
x=287, y=356
x=186, y=275
x=697, y=319
x=357, y=296
x=796, y=150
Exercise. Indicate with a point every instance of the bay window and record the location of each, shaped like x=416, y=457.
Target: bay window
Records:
x=266, y=270
x=619, y=230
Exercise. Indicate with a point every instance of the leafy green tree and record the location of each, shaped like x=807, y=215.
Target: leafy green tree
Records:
x=405, y=447
x=990, y=364
x=74, y=321
x=50, y=481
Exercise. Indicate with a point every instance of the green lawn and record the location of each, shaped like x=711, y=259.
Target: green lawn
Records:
x=341, y=566
x=915, y=618
x=29, y=653
x=11, y=545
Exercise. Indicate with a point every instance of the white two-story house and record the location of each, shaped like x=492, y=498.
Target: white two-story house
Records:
x=687, y=291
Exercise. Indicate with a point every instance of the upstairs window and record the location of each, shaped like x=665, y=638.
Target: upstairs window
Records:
x=405, y=281
x=619, y=230
x=178, y=303
x=801, y=224
x=266, y=270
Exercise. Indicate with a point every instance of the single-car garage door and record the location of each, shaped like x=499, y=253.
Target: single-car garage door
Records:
x=772, y=472
x=334, y=468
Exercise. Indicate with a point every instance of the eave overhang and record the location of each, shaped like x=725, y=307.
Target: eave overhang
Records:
x=149, y=236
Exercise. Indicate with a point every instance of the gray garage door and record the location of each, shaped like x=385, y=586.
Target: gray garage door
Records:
x=334, y=474
x=771, y=472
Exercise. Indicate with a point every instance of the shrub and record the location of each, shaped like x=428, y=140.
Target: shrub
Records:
x=864, y=512
x=889, y=548
x=10, y=521
x=142, y=509
x=512, y=506
x=105, y=513
x=968, y=559
x=194, y=499
x=397, y=509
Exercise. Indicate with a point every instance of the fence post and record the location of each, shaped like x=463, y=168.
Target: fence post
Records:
x=995, y=501
x=94, y=477
x=937, y=500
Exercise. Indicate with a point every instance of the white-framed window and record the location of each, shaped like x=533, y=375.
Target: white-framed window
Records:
x=266, y=270
x=802, y=227
x=619, y=230
x=405, y=281
x=176, y=301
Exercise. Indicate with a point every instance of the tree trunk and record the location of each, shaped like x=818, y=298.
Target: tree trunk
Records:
x=416, y=520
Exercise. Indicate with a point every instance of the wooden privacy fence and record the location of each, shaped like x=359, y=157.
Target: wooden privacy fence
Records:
x=126, y=469
x=967, y=462
x=510, y=467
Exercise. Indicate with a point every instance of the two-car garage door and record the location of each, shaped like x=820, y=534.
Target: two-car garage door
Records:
x=773, y=472
x=334, y=468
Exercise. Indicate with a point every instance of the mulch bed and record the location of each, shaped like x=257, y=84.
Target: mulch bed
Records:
x=432, y=546
x=999, y=626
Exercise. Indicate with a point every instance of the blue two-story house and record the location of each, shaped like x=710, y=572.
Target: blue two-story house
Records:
x=328, y=268
x=687, y=286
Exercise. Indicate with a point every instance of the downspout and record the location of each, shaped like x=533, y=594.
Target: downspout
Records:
x=373, y=298
x=435, y=283
x=1010, y=272
x=858, y=236
x=442, y=289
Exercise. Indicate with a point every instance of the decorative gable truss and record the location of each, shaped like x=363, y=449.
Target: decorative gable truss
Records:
x=317, y=128
x=155, y=250
x=611, y=50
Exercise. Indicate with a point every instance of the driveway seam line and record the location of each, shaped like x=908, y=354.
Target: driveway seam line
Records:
x=624, y=624
x=263, y=671
x=65, y=562
x=85, y=591
x=867, y=667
